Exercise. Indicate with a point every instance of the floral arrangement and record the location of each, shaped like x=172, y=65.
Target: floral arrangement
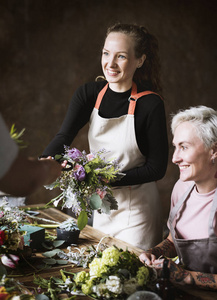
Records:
x=113, y=274
x=11, y=237
x=86, y=185
x=116, y=274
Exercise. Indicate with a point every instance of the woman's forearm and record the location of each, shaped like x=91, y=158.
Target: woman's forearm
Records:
x=165, y=248
x=185, y=277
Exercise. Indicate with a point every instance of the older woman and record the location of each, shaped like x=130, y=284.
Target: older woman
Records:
x=192, y=220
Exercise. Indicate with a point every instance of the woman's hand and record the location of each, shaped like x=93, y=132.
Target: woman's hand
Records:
x=147, y=258
x=177, y=273
x=63, y=163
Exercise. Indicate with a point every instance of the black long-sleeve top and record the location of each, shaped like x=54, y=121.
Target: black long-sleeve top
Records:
x=150, y=127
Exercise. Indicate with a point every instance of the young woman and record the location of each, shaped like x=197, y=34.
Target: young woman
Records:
x=131, y=127
x=192, y=220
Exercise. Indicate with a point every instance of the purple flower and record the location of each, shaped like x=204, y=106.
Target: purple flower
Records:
x=74, y=154
x=79, y=173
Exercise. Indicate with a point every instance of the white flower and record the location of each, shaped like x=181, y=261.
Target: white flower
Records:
x=15, y=298
x=68, y=281
x=130, y=286
x=114, y=285
x=56, y=202
x=99, y=289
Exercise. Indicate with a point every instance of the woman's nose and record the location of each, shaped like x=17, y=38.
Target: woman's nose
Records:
x=175, y=158
x=112, y=61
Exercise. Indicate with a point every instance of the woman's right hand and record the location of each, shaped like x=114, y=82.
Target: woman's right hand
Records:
x=147, y=258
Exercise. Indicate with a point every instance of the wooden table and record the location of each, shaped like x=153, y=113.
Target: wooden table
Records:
x=90, y=236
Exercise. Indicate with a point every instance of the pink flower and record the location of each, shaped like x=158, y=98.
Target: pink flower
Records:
x=101, y=193
x=90, y=156
x=10, y=261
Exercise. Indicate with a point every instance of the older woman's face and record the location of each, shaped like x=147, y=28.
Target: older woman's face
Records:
x=191, y=156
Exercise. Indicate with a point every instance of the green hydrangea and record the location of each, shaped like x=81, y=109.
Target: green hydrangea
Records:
x=81, y=277
x=142, y=275
x=110, y=256
x=97, y=267
x=87, y=287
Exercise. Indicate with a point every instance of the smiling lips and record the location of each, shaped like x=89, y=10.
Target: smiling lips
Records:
x=112, y=73
x=183, y=167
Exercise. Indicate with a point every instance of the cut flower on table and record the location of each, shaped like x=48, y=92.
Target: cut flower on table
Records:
x=86, y=185
x=116, y=274
x=112, y=274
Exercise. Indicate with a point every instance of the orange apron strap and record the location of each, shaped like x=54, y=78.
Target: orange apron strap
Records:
x=100, y=96
x=134, y=97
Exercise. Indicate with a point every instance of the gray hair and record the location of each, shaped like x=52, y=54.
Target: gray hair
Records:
x=203, y=118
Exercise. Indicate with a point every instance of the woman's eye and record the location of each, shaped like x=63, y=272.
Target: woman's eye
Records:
x=184, y=148
x=122, y=56
x=105, y=53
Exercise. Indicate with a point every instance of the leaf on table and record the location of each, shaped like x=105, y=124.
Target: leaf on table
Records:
x=61, y=262
x=41, y=297
x=58, y=243
x=51, y=253
x=49, y=261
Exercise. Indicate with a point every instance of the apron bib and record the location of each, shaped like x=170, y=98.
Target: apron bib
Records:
x=196, y=254
x=138, y=218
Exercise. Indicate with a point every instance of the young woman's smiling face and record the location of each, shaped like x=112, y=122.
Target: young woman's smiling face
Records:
x=191, y=156
x=119, y=62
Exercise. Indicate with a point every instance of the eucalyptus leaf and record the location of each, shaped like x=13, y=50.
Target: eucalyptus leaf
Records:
x=82, y=220
x=41, y=297
x=61, y=262
x=49, y=261
x=95, y=201
x=51, y=253
x=3, y=270
x=58, y=243
x=46, y=246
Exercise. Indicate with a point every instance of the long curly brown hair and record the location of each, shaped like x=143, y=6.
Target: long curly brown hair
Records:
x=145, y=43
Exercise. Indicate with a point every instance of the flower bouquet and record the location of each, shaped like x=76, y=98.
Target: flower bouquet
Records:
x=86, y=185
x=113, y=274
x=11, y=236
x=116, y=274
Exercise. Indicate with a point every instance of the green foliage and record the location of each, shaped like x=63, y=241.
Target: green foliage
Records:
x=95, y=201
x=17, y=135
x=82, y=220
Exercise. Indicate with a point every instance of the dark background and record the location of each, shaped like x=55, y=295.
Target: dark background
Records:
x=49, y=48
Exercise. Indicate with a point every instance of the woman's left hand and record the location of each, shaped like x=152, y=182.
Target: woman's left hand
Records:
x=177, y=273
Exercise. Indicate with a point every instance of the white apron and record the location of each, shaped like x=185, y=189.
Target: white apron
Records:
x=138, y=219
